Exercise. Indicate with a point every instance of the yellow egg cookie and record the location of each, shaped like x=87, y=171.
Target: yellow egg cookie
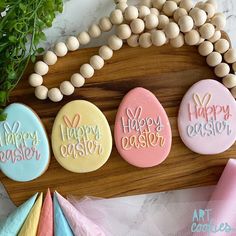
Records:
x=81, y=137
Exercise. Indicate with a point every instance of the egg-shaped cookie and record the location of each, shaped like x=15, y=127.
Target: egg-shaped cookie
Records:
x=81, y=137
x=24, y=147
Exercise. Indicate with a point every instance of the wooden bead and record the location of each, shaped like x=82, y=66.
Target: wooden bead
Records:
x=172, y=30
x=131, y=13
x=116, y=17
x=84, y=38
x=169, y=8
x=215, y=37
x=222, y=70
x=233, y=91
x=67, y=88
x=230, y=56
x=186, y=4
x=201, y=40
x=147, y=3
x=87, y=71
x=209, y=9
x=122, y=6
x=158, y=38
x=55, y=95
x=213, y=2
x=72, y=43
x=154, y=11
x=94, y=31
x=105, y=52
x=151, y=21
x=105, y=24
x=207, y=30
x=60, y=49
x=192, y=37
x=205, y=48
x=199, y=16
x=222, y=46
x=41, y=92
x=158, y=4
x=123, y=31
x=50, y=58
x=143, y=11
x=96, y=62
x=177, y=1
x=178, y=41
x=137, y=26
x=41, y=68
x=119, y=1
x=35, y=80
x=133, y=41
x=229, y=81
x=114, y=42
x=163, y=21
x=179, y=13
x=77, y=80
x=145, y=40
x=234, y=67
x=219, y=21
x=185, y=23
x=214, y=59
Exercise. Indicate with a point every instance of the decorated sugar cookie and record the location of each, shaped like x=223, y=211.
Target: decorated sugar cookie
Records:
x=24, y=147
x=142, y=129
x=81, y=137
x=207, y=118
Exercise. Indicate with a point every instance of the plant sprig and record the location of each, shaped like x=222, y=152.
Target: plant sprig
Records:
x=21, y=24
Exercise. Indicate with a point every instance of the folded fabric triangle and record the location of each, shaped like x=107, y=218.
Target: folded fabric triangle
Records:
x=45, y=227
x=30, y=226
x=79, y=224
x=13, y=223
x=61, y=226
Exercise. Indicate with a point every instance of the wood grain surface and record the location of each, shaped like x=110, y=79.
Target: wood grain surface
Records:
x=165, y=71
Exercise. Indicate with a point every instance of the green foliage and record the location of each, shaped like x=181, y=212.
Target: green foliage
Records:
x=21, y=24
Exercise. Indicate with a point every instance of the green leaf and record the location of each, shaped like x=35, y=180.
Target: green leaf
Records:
x=12, y=39
x=40, y=50
x=3, y=97
x=33, y=58
x=3, y=116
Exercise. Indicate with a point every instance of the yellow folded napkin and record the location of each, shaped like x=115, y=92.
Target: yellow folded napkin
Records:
x=30, y=226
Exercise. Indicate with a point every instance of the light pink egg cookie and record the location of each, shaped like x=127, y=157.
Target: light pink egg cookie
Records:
x=142, y=129
x=207, y=118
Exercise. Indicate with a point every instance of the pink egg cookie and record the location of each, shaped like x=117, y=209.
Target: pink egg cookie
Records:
x=142, y=129
x=206, y=118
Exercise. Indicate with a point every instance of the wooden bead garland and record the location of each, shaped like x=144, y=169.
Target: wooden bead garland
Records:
x=154, y=22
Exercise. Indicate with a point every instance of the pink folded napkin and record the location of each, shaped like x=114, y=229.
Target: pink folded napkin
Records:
x=45, y=227
x=79, y=224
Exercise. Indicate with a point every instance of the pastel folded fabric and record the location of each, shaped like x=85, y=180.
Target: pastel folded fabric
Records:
x=61, y=226
x=45, y=227
x=13, y=223
x=223, y=200
x=30, y=226
x=79, y=224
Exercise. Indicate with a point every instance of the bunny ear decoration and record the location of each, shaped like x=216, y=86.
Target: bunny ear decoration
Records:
x=202, y=102
x=72, y=123
x=79, y=224
x=134, y=115
x=14, y=129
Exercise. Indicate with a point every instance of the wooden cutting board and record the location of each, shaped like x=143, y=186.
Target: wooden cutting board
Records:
x=165, y=71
